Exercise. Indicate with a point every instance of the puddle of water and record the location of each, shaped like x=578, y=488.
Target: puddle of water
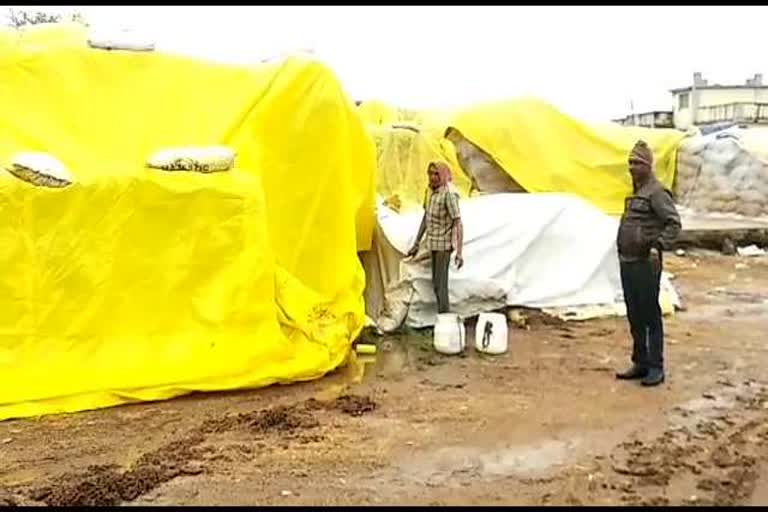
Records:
x=355, y=370
x=396, y=357
x=740, y=296
x=446, y=465
x=331, y=392
x=392, y=360
x=527, y=460
x=357, y=366
x=740, y=310
x=713, y=405
x=705, y=405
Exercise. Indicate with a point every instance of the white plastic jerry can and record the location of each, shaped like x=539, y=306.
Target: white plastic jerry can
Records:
x=491, y=333
x=449, y=335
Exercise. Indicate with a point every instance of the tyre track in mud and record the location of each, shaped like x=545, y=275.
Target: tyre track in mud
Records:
x=711, y=453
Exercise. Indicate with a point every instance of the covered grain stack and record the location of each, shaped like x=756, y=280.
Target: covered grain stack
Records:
x=529, y=145
x=123, y=282
x=725, y=172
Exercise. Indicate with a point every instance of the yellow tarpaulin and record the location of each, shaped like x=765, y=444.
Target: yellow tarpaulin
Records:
x=378, y=113
x=138, y=284
x=406, y=142
x=403, y=155
x=541, y=148
x=544, y=150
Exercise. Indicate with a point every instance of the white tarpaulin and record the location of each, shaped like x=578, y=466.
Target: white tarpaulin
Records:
x=549, y=251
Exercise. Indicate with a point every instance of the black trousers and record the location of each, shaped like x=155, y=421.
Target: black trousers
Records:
x=641, y=285
x=441, y=260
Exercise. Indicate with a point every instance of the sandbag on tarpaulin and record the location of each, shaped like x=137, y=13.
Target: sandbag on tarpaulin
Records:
x=138, y=284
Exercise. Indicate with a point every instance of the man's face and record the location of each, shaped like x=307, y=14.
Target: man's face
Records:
x=434, y=176
x=638, y=169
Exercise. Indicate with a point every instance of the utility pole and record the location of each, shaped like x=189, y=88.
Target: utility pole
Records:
x=693, y=103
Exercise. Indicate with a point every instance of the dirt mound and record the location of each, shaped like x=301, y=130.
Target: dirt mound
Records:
x=9, y=499
x=276, y=419
x=730, y=489
x=655, y=462
x=109, y=485
x=92, y=487
x=529, y=318
x=354, y=405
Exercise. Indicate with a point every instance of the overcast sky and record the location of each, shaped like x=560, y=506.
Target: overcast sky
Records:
x=588, y=61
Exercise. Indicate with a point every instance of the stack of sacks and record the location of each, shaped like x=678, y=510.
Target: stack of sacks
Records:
x=719, y=173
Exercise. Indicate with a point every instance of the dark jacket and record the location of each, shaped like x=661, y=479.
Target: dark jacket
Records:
x=650, y=219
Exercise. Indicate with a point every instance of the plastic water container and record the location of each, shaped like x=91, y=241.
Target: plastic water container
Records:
x=491, y=333
x=449, y=337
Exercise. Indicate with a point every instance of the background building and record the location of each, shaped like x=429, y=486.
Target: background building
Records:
x=703, y=104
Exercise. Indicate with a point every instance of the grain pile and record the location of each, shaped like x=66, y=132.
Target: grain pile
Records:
x=724, y=172
x=486, y=175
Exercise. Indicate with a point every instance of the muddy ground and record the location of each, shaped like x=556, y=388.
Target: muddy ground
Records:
x=546, y=423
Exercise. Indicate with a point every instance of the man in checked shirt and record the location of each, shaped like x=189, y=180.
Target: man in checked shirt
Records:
x=442, y=225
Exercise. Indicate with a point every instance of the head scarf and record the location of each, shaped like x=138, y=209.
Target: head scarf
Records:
x=642, y=153
x=443, y=171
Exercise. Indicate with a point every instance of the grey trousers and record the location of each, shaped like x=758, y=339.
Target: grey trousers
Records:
x=441, y=260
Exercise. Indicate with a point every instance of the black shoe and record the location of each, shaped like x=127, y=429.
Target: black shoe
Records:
x=654, y=378
x=636, y=372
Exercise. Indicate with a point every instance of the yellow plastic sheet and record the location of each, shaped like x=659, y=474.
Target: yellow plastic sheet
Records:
x=546, y=151
x=541, y=148
x=406, y=142
x=403, y=155
x=378, y=113
x=137, y=284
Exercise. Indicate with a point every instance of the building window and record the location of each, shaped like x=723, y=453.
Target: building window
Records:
x=683, y=100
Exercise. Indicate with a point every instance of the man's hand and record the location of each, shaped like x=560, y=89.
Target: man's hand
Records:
x=655, y=260
x=459, y=260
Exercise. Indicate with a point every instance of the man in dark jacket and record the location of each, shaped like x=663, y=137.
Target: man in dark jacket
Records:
x=649, y=225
